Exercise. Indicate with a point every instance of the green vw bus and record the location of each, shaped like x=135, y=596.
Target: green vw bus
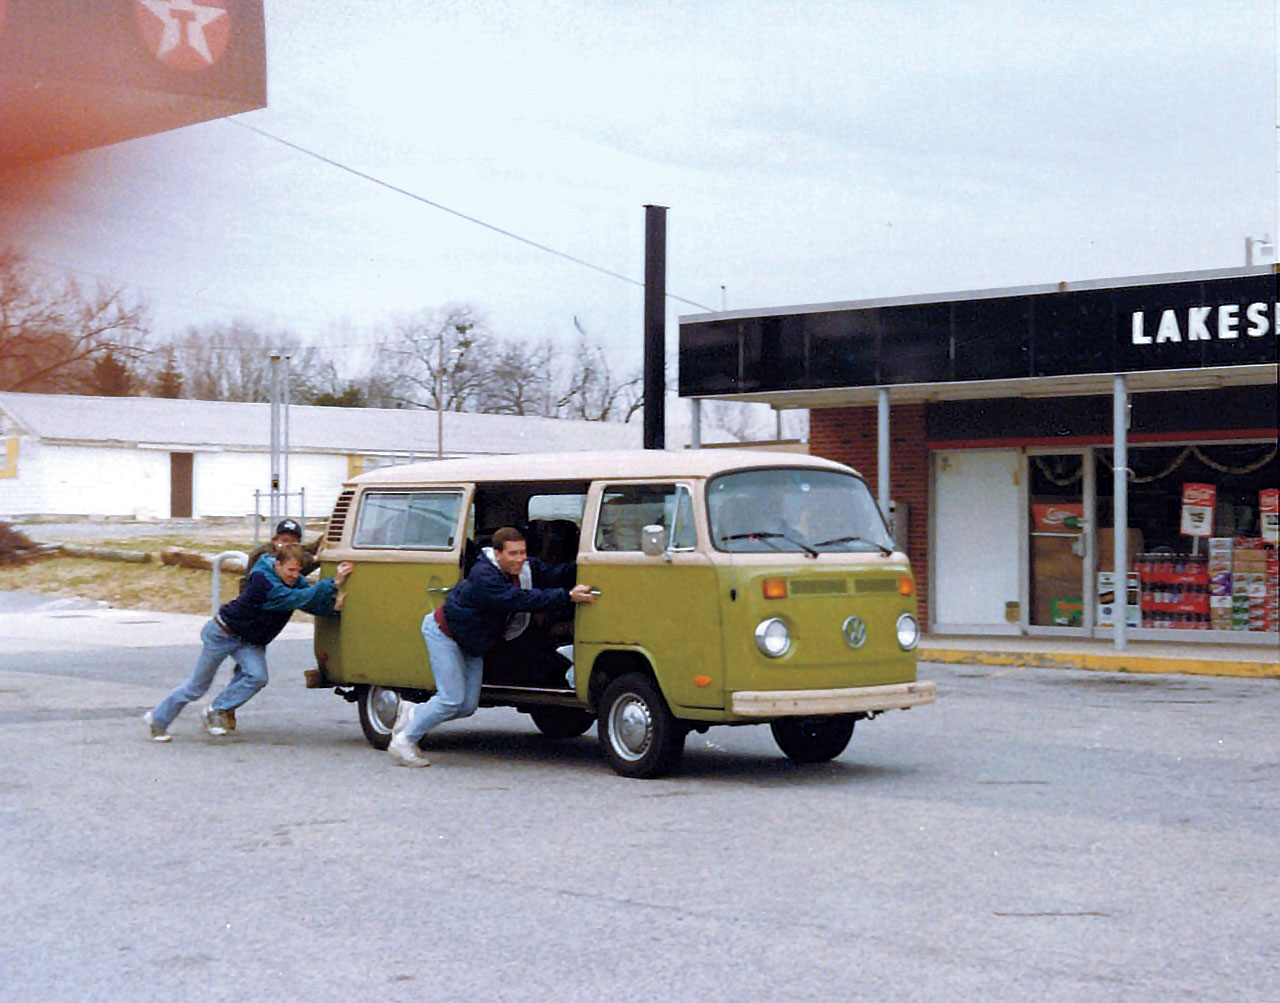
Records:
x=736, y=587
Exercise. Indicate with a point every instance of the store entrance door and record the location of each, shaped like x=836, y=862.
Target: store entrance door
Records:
x=1060, y=559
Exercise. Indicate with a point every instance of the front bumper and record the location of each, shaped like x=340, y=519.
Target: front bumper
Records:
x=853, y=700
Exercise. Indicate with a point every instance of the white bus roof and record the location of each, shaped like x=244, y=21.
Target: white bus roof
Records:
x=585, y=466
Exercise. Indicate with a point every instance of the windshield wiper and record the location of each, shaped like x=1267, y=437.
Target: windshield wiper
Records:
x=856, y=539
x=771, y=536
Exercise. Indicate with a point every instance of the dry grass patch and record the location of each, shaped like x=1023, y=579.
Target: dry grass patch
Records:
x=151, y=586
x=127, y=586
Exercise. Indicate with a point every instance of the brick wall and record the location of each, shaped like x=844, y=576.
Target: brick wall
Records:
x=850, y=434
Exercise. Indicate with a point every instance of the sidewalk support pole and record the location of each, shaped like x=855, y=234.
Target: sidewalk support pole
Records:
x=226, y=555
x=1120, y=491
x=882, y=450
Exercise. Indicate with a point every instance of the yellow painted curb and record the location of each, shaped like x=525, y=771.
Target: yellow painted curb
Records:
x=1103, y=663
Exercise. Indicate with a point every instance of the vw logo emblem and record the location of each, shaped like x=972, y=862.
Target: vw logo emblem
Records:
x=855, y=632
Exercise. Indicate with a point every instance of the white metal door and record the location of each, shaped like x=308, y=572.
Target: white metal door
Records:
x=978, y=528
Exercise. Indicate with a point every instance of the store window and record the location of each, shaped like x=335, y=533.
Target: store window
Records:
x=1208, y=562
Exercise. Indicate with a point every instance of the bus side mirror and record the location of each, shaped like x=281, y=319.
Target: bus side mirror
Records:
x=653, y=541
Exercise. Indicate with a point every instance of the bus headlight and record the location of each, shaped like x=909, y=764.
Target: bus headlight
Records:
x=773, y=638
x=908, y=632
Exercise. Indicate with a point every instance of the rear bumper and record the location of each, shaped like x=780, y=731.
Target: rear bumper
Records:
x=854, y=700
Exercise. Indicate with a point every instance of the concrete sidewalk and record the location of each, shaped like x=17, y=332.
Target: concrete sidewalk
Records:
x=1250, y=661
x=81, y=625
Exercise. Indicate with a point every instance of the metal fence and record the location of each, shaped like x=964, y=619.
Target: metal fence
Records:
x=277, y=508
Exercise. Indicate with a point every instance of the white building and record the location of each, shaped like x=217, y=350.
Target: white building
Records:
x=147, y=457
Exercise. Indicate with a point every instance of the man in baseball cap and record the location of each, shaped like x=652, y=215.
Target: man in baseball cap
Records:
x=287, y=531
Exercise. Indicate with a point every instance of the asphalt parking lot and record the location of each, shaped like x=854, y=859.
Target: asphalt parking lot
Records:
x=1037, y=834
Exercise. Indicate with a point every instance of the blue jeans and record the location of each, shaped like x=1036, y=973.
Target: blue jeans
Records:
x=218, y=645
x=458, y=677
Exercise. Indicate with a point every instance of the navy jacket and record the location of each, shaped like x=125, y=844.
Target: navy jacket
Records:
x=260, y=612
x=477, y=608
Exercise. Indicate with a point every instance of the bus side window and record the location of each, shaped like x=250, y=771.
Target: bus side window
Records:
x=627, y=508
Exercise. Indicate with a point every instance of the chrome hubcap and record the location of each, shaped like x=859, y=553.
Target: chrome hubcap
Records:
x=630, y=727
x=383, y=706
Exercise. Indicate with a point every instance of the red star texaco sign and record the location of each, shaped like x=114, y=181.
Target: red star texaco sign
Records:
x=185, y=35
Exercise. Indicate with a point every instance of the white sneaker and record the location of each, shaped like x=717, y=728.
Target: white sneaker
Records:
x=405, y=752
x=213, y=723
x=404, y=714
x=158, y=734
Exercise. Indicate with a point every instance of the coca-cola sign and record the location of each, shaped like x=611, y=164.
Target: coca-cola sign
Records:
x=1197, y=509
x=1057, y=517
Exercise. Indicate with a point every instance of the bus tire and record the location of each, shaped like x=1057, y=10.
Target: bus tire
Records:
x=813, y=739
x=378, y=707
x=638, y=734
x=561, y=722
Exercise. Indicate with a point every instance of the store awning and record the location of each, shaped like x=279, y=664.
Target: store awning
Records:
x=1194, y=330
x=1047, y=386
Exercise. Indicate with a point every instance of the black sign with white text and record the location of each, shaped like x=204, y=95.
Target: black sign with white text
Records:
x=1180, y=325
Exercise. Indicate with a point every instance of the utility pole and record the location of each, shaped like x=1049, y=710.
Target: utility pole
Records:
x=440, y=399
x=279, y=435
x=462, y=330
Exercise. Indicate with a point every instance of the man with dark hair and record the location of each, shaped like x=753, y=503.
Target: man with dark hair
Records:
x=287, y=531
x=504, y=585
x=242, y=629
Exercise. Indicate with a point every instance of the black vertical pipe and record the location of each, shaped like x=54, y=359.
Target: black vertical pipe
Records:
x=655, y=326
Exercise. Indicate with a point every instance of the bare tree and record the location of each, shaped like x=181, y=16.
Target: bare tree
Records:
x=449, y=358
x=54, y=334
x=592, y=392
x=384, y=385
x=520, y=380
x=440, y=359
x=232, y=362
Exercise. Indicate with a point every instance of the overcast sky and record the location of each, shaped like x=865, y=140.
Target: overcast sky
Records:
x=808, y=151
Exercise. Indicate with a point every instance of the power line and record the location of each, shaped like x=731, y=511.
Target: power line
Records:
x=454, y=212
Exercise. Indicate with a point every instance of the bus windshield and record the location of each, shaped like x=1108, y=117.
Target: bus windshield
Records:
x=794, y=510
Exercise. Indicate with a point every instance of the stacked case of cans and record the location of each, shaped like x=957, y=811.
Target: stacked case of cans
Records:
x=1220, y=583
x=1175, y=592
x=1271, y=602
x=1242, y=583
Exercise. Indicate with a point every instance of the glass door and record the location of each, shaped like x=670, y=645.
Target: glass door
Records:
x=1060, y=548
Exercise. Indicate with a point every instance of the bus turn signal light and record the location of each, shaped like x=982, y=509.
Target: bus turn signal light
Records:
x=775, y=588
x=906, y=586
